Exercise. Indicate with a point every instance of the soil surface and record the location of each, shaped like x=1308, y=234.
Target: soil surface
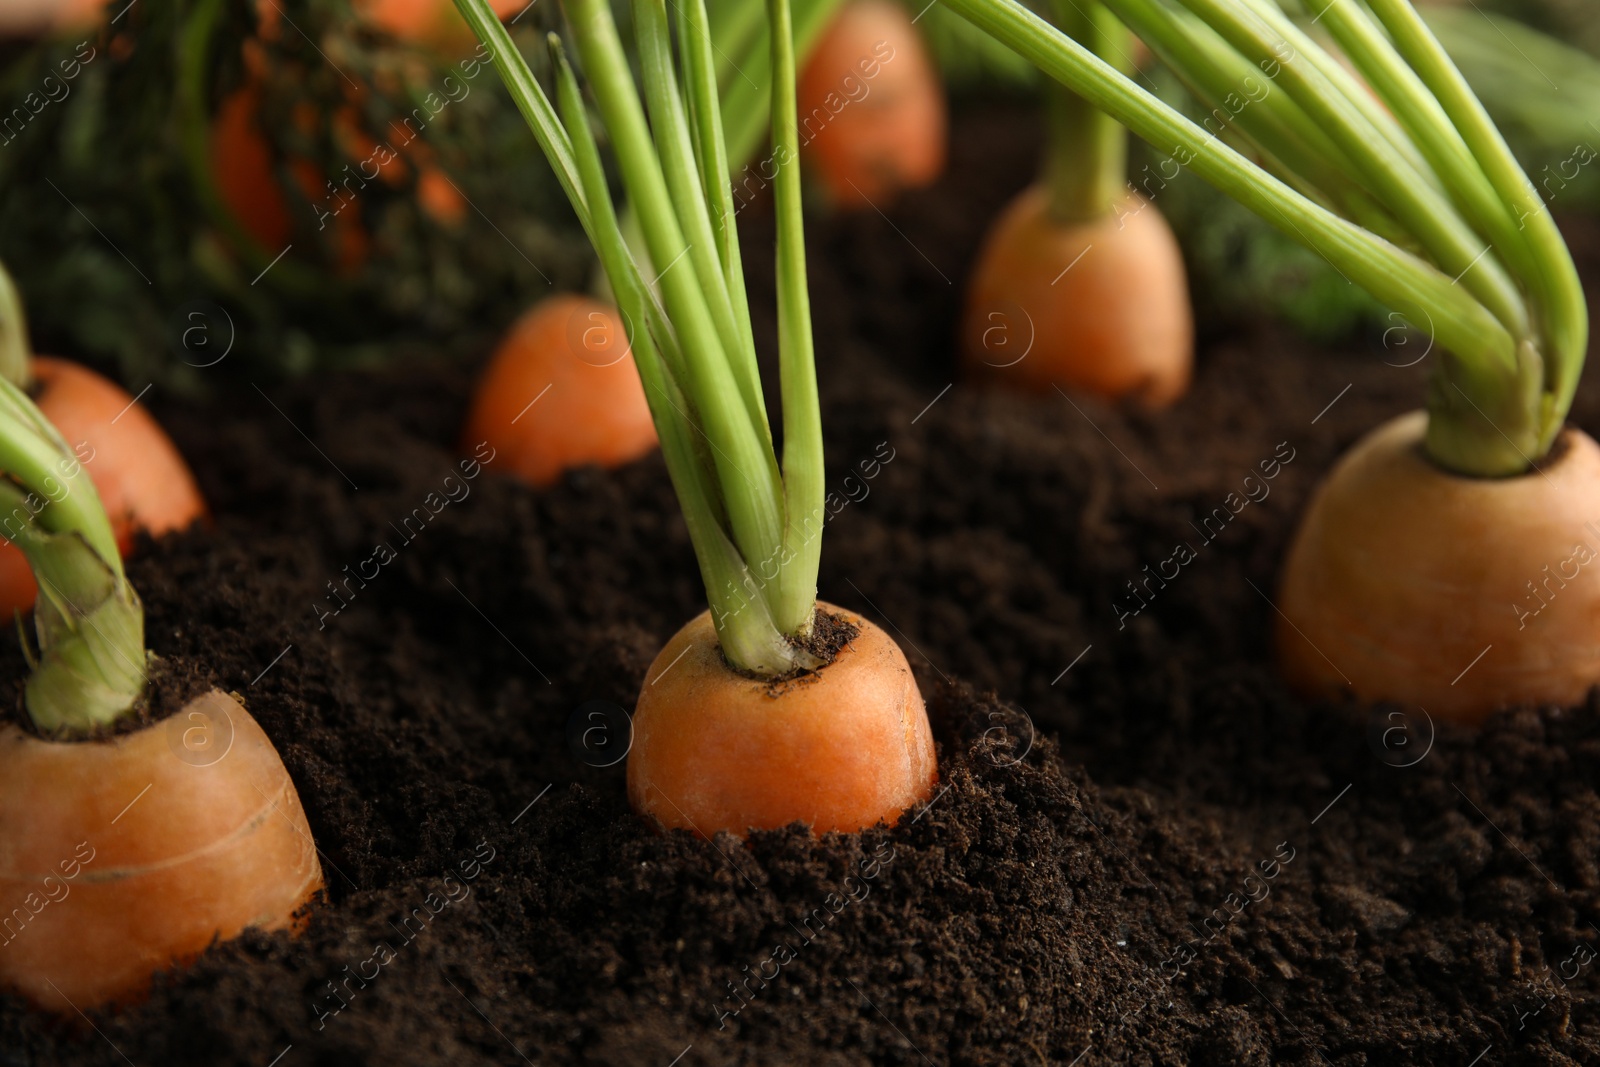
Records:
x=1143, y=850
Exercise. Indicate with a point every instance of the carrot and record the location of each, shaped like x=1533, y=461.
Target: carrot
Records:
x=561, y=392
x=1100, y=306
x=837, y=751
x=1467, y=595
x=1080, y=284
x=142, y=480
x=872, y=110
x=124, y=855
x=750, y=717
x=135, y=854
x=1434, y=524
x=243, y=166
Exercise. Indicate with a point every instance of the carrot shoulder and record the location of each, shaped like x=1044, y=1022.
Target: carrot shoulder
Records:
x=123, y=857
x=1100, y=306
x=560, y=392
x=872, y=110
x=1455, y=594
x=838, y=750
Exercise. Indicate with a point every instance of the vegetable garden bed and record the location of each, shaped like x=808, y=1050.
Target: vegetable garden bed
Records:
x=1142, y=849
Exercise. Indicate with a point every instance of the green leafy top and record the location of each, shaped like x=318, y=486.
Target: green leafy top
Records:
x=91, y=663
x=755, y=522
x=1417, y=199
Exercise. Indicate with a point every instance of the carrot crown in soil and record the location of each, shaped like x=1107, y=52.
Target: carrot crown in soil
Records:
x=755, y=522
x=1417, y=198
x=91, y=664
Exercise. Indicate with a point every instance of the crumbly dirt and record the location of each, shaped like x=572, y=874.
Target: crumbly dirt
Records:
x=1142, y=851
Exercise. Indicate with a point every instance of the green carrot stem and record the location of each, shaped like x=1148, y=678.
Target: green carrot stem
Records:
x=1408, y=190
x=803, y=477
x=1474, y=260
x=1410, y=284
x=1426, y=122
x=745, y=629
x=669, y=123
x=757, y=555
x=1244, y=105
x=1086, y=162
x=91, y=664
x=15, y=351
x=1562, y=311
x=696, y=46
x=740, y=447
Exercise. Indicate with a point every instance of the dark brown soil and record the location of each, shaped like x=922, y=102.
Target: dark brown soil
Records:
x=1143, y=851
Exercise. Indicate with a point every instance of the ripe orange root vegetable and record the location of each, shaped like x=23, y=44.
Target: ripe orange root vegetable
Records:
x=122, y=857
x=1100, y=306
x=872, y=110
x=839, y=750
x=241, y=162
x=562, y=392
x=247, y=181
x=1402, y=575
x=142, y=480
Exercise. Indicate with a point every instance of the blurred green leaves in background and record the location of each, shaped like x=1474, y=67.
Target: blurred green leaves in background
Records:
x=117, y=232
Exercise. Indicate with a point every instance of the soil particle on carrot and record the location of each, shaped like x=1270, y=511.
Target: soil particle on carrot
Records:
x=1035, y=908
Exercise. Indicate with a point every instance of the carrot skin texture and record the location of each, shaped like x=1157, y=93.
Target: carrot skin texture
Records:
x=568, y=357
x=840, y=750
x=1402, y=575
x=1104, y=305
x=142, y=480
x=866, y=146
x=209, y=847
